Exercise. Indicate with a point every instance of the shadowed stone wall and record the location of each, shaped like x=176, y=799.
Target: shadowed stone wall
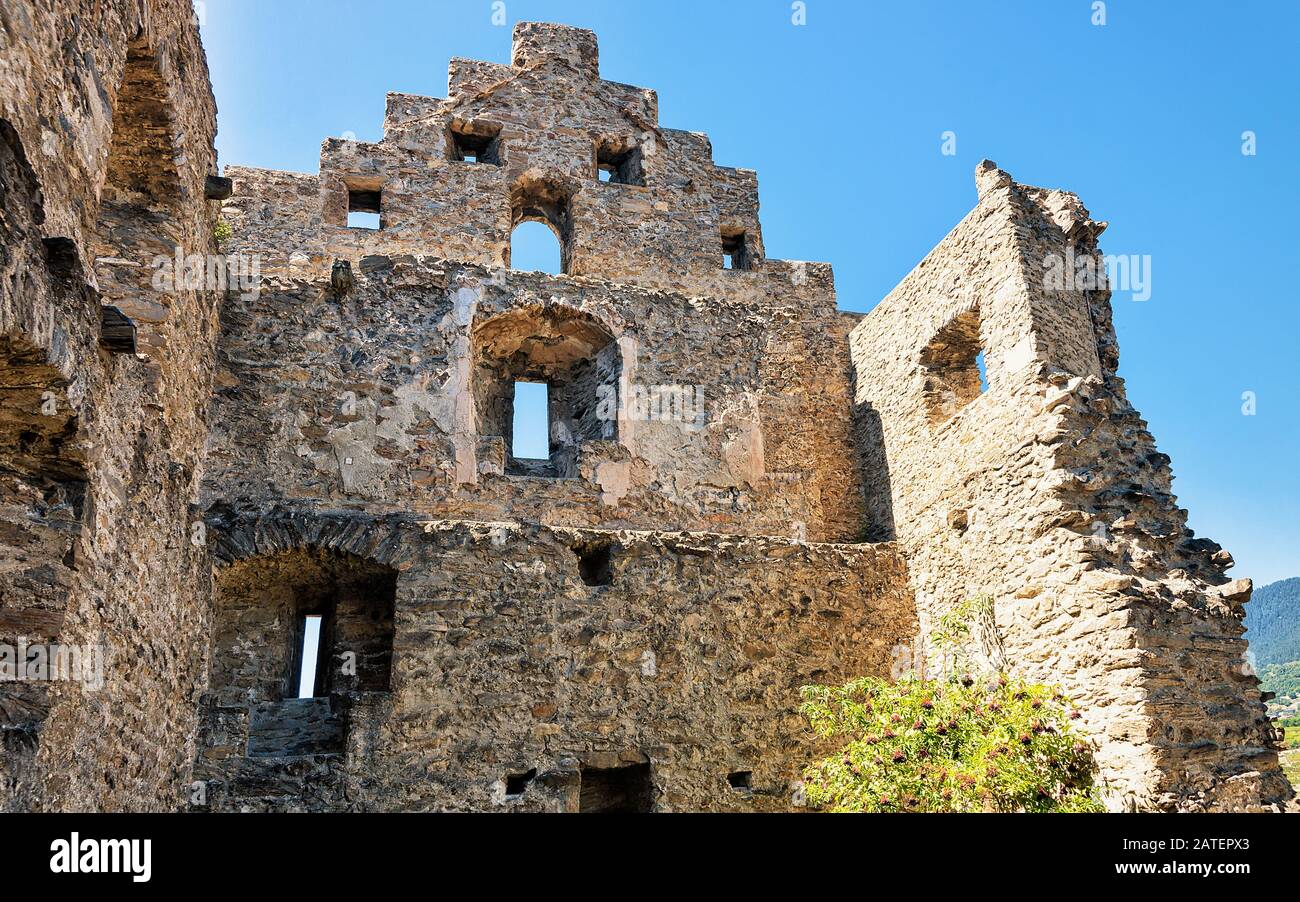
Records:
x=106, y=127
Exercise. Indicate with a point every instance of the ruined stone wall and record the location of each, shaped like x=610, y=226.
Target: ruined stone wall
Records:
x=553, y=642
x=506, y=634
x=106, y=127
x=764, y=344
x=374, y=400
x=1047, y=493
x=548, y=121
x=514, y=659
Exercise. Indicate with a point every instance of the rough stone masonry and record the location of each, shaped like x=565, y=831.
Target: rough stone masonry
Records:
x=291, y=515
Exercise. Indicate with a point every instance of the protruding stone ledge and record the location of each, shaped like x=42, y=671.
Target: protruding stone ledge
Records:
x=216, y=187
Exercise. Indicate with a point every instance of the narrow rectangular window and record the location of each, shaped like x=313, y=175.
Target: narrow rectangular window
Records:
x=619, y=163
x=474, y=142
x=733, y=251
x=309, y=655
x=531, y=429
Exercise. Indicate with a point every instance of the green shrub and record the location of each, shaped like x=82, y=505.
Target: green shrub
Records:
x=958, y=743
x=221, y=231
x=948, y=745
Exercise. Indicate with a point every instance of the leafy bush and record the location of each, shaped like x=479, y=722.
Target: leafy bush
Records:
x=950, y=745
x=958, y=743
x=221, y=231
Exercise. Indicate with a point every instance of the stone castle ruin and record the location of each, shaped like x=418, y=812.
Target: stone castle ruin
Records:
x=747, y=489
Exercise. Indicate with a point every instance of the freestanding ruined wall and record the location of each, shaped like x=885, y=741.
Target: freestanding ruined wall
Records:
x=106, y=127
x=1046, y=492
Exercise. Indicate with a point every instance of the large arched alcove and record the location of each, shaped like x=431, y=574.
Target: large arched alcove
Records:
x=578, y=360
x=297, y=638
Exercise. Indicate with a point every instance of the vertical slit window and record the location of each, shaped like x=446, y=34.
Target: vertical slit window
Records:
x=309, y=656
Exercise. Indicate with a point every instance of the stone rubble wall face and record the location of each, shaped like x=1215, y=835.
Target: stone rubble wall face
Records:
x=368, y=401
x=506, y=661
x=766, y=344
x=122, y=572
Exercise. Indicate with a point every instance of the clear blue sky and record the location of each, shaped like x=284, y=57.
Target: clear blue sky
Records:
x=842, y=118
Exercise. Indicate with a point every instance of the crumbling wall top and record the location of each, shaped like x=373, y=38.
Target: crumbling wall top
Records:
x=537, y=42
x=544, y=139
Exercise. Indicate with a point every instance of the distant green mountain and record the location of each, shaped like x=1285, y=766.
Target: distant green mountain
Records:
x=1273, y=623
x=1283, y=680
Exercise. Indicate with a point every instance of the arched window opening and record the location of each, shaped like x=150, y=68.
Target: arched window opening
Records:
x=138, y=220
x=577, y=360
x=535, y=247
x=953, y=364
x=549, y=204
